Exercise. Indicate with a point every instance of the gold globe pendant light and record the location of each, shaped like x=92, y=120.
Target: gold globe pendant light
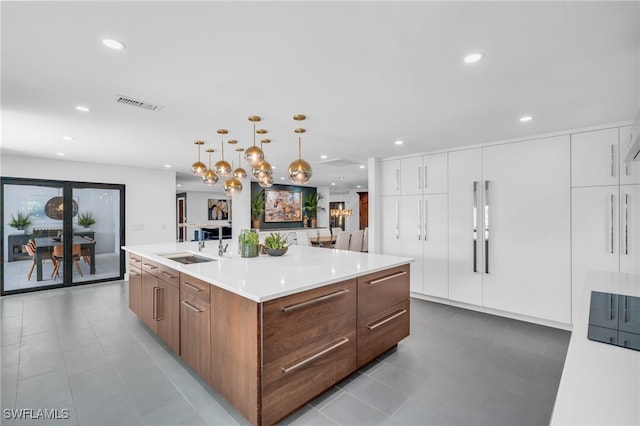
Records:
x=222, y=167
x=233, y=186
x=299, y=170
x=239, y=173
x=254, y=155
x=198, y=168
x=210, y=177
x=264, y=169
x=266, y=182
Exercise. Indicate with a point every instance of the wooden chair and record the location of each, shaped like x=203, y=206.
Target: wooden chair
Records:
x=355, y=243
x=58, y=255
x=31, y=249
x=86, y=252
x=342, y=241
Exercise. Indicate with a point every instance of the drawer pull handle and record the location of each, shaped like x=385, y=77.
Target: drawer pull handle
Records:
x=297, y=365
x=316, y=300
x=134, y=260
x=192, y=307
x=168, y=275
x=387, y=319
x=134, y=273
x=149, y=266
x=388, y=277
x=188, y=284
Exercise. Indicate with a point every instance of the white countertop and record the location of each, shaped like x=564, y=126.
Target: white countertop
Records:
x=600, y=383
x=265, y=277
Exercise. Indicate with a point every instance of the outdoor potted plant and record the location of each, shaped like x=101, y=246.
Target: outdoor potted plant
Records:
x=310, y=207
x=275, y=244
x=257, y=208
x=86, y=220
x=20, y=222
x=248, y=243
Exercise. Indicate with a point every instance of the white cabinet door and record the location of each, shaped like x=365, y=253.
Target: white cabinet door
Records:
x=529, y=221
x=390, y=177
x=390, y=225
x=411, y=176
x=594, y=158
x=411, y=232
x=465, y=251
x=629, y=172
x=435, y=246
x=434, y=175
x=629, y=228
x=594, y=234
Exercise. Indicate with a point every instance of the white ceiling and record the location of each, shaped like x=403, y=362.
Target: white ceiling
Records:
x=364, y=73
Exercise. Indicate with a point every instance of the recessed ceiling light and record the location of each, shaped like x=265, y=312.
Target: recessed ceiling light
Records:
x=333, y=184
x=113, y=44
x=82, y=108
x=526, y=118
x=324, y=157
x=67, y=138
x=179, y=185
x=168, y=166
x=61, y=154
x=472, y=58
x=362, y=166
x=398, y=142
x=281, y=177
x=358, y=186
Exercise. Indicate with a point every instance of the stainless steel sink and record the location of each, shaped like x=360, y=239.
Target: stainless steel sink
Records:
x=187, y=258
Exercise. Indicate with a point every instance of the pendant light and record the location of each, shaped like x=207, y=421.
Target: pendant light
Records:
x=239, y=173
x=266, y=182
x=264, y=169
x=233, y=186
x=209, y=177
x=222, y=167
x=299, y=170
x=254, y=155
x=198, y=168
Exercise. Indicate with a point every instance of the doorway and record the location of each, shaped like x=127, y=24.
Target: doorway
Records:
x=181, y=214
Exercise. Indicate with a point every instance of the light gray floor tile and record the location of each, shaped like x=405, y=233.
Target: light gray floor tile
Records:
x=39, y=362
x=307, y=415
x=43, y=391
x=174, y=413
x=119, y=341
x=384, y=398
x=10, y=355
x=91, y=387
x=9, y=380
x=11, y=336
x=347, y=410
x=323, y=400
x=215, y=414
x=76, y=338
x=46, y=341
x=114, y=411
x=131, y=363
x=84, y=358
x=59, y=414
x=7, y=402
x=38, y=326
x=399, y=379
x=150, y=391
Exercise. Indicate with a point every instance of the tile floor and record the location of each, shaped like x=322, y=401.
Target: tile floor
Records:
x=81, y=349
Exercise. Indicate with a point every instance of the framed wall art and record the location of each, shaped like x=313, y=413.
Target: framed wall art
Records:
x=283, y=206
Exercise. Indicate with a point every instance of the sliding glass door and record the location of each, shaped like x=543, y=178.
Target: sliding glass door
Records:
x=58, y=233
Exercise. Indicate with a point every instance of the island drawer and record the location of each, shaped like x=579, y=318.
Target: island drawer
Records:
x=165, y=273
x=382, y=290
x=195, y=286
x=293, y=322
x=293, y=380
x=382, y=331
x=135, y=261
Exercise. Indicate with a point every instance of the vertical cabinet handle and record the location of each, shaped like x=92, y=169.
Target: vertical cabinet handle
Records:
x=419, y=219
x=160, y=303
x=397, y=179
x=419, y=177
x=626, y=319
x=626, y=224
x=397, y=219
x=426, y=217
x=613, y=153
x=475, y=226
x=486, y=226
x=425, y=177
x=610, y=306
x=611, y=201
x=154, y=302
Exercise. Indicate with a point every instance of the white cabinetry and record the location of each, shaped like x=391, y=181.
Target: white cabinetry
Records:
x=509, y=228
x=424, y=175
x=391, y=177
x=391, y=226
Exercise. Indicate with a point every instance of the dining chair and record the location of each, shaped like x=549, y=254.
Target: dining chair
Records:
x=85, y=251
x=58, y=255
x=365, y=240
x=303, y=238
x=335, y=231
x=355, y=243
x=342, y=242
x=325, y=232
x=31, y=250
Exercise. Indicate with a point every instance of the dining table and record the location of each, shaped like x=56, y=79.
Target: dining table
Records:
x=321, y=241
x=46, y=244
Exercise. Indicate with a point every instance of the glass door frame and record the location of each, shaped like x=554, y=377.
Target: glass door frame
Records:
x=67, y=227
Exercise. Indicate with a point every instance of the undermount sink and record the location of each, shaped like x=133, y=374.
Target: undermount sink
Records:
x=187, y=258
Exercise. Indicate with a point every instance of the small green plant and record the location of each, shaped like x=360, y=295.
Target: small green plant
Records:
x=275, y=241
x=248, y=238
x=21, y=221
x=310, y=205
x=85, y=219
x=257, y=205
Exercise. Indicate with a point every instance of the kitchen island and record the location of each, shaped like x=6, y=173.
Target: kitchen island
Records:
x=271, y=333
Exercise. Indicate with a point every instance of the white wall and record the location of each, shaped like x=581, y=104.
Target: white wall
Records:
x=351, y=201
x=150, y=200
x=323, y=216
x=197, y=210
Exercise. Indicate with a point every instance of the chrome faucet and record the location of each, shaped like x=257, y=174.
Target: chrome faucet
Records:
x=200, y=235
x=221, y=250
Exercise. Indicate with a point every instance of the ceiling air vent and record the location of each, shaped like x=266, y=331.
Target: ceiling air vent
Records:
x=139, y=104
x=338, y=162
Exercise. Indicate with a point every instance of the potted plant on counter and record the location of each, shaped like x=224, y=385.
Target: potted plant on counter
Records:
x=248, y=243
x=20, y=222
x=275, y=244
x=86, y=220
x=257, y=208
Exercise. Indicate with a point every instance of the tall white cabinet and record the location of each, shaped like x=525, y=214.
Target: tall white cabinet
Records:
x=605, y=206
x=509, y=229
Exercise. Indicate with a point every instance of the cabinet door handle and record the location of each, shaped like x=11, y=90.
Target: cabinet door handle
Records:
x=314, y=301
x=626, y=319
x=387, y=319
x=192, y=307
x=610, y=306
x=134, y=273
x=160, y=302
x=425, y=177
x=188, y=284
x=168, y=275
x=397, y=179
x=397, y=219
x=419, y=177
x=626, y=224
x=134, y=260
x=297, y=365
x=486, y=226
x=475, y=226
x=613, y=152
x=426, y=219
x=154, y=302
x=419, y=219
x=388, y=277
x=149, y=266
x=611, y=201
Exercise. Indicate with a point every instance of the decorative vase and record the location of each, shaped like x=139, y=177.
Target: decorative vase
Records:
x=255, y=224
x=276, y=252
x=20, y=231
x=314, y=222
x=248, y=251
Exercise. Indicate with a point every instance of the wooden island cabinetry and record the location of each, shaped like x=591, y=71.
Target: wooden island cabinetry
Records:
x=268, y=358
